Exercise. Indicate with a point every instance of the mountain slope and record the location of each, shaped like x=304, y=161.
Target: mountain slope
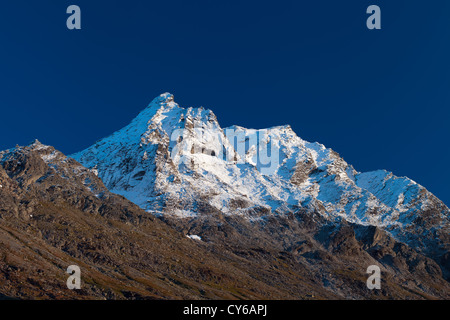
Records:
x=180, y=162
x=55, y=213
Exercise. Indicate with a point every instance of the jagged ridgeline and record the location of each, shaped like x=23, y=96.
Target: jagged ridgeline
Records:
x=179, y=162
x=174, y=206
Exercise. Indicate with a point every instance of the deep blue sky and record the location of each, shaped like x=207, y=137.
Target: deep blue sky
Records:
x=379, y=98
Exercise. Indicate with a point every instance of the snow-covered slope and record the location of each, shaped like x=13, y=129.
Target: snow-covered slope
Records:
x=180, y=162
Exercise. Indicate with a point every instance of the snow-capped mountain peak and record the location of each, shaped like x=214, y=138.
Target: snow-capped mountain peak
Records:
x=177, y=161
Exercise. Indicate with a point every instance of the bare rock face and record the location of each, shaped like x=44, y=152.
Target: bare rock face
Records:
x=302, y=171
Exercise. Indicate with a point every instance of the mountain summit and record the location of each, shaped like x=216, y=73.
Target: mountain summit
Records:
x=179, y=163
x=215, y=213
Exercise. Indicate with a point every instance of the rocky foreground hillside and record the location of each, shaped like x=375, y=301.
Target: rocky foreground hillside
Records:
x=171, y=208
